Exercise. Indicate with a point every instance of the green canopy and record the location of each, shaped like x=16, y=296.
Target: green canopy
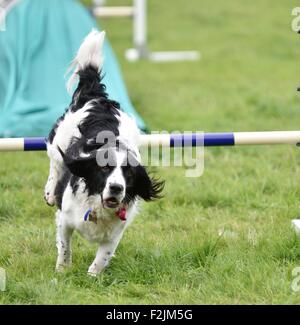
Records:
x=40, y=40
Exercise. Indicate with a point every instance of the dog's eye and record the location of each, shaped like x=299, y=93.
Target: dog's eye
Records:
x=129, y=172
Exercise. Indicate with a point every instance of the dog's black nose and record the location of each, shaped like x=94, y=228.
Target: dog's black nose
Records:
x=116, y=188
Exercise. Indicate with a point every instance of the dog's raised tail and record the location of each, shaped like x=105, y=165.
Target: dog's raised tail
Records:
x=90, y=54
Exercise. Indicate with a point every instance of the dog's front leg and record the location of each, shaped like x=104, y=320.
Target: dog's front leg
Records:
x=54, y=176
x=103, y=257
x=63, y=243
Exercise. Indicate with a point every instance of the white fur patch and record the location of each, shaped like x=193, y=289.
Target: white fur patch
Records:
x=89, y=53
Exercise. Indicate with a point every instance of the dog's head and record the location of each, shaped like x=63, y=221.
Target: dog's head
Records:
x=115, y=174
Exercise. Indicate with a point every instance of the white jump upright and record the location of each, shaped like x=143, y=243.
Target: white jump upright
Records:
x=106, y=12
x=140, y=29
x=138, y=12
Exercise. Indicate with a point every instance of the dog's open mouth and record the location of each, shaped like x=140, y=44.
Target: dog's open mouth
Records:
x=111, y=202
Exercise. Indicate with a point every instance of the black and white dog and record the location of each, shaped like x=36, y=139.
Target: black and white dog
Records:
x=96, y=178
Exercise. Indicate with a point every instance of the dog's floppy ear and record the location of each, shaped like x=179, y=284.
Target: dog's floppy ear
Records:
x=147, y=188
x=80, y=166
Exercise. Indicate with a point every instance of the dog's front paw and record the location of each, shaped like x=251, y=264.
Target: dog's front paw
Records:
x=93, y=275
x=94, y=270
x=49, y=192
x=50, y=199
x=60, y=268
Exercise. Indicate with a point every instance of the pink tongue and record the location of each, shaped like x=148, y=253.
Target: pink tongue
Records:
x=121, y=214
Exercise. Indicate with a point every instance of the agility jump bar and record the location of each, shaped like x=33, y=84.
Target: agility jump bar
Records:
x=177, y=140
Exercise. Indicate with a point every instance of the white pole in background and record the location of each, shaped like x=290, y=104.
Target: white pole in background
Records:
x=140, y=27
x=105, y=12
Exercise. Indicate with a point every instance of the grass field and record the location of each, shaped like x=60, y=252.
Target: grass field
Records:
x=174, y=253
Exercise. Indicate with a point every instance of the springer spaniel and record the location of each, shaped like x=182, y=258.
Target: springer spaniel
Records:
x=96, y=178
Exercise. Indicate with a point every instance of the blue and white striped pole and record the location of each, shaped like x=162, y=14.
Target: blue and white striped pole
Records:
x=22, y=144
x=177, y=140
x=222, y=139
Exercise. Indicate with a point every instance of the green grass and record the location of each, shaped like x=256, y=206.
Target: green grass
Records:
x=173, y=253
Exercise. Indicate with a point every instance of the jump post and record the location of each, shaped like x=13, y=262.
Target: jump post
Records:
x=138, y=13
x=177, y=140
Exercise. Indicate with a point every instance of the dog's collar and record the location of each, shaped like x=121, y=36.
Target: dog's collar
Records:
x=87, y=214
x=120, y=213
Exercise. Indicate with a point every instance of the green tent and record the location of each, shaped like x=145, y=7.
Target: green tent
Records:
x=41, y=39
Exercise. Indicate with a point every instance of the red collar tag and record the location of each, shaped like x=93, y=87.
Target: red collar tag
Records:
x=121, y=213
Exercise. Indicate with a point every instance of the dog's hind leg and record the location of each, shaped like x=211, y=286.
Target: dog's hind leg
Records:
x=63, y=243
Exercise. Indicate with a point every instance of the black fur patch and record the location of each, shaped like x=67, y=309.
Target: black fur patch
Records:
x=100, y=118
x=90, y=88
x=140, y=184
x=102, y=115
x=74, y=183
x=61, y=186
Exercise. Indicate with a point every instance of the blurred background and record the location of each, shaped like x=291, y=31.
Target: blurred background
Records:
x=245, y=80
x=247, y=67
